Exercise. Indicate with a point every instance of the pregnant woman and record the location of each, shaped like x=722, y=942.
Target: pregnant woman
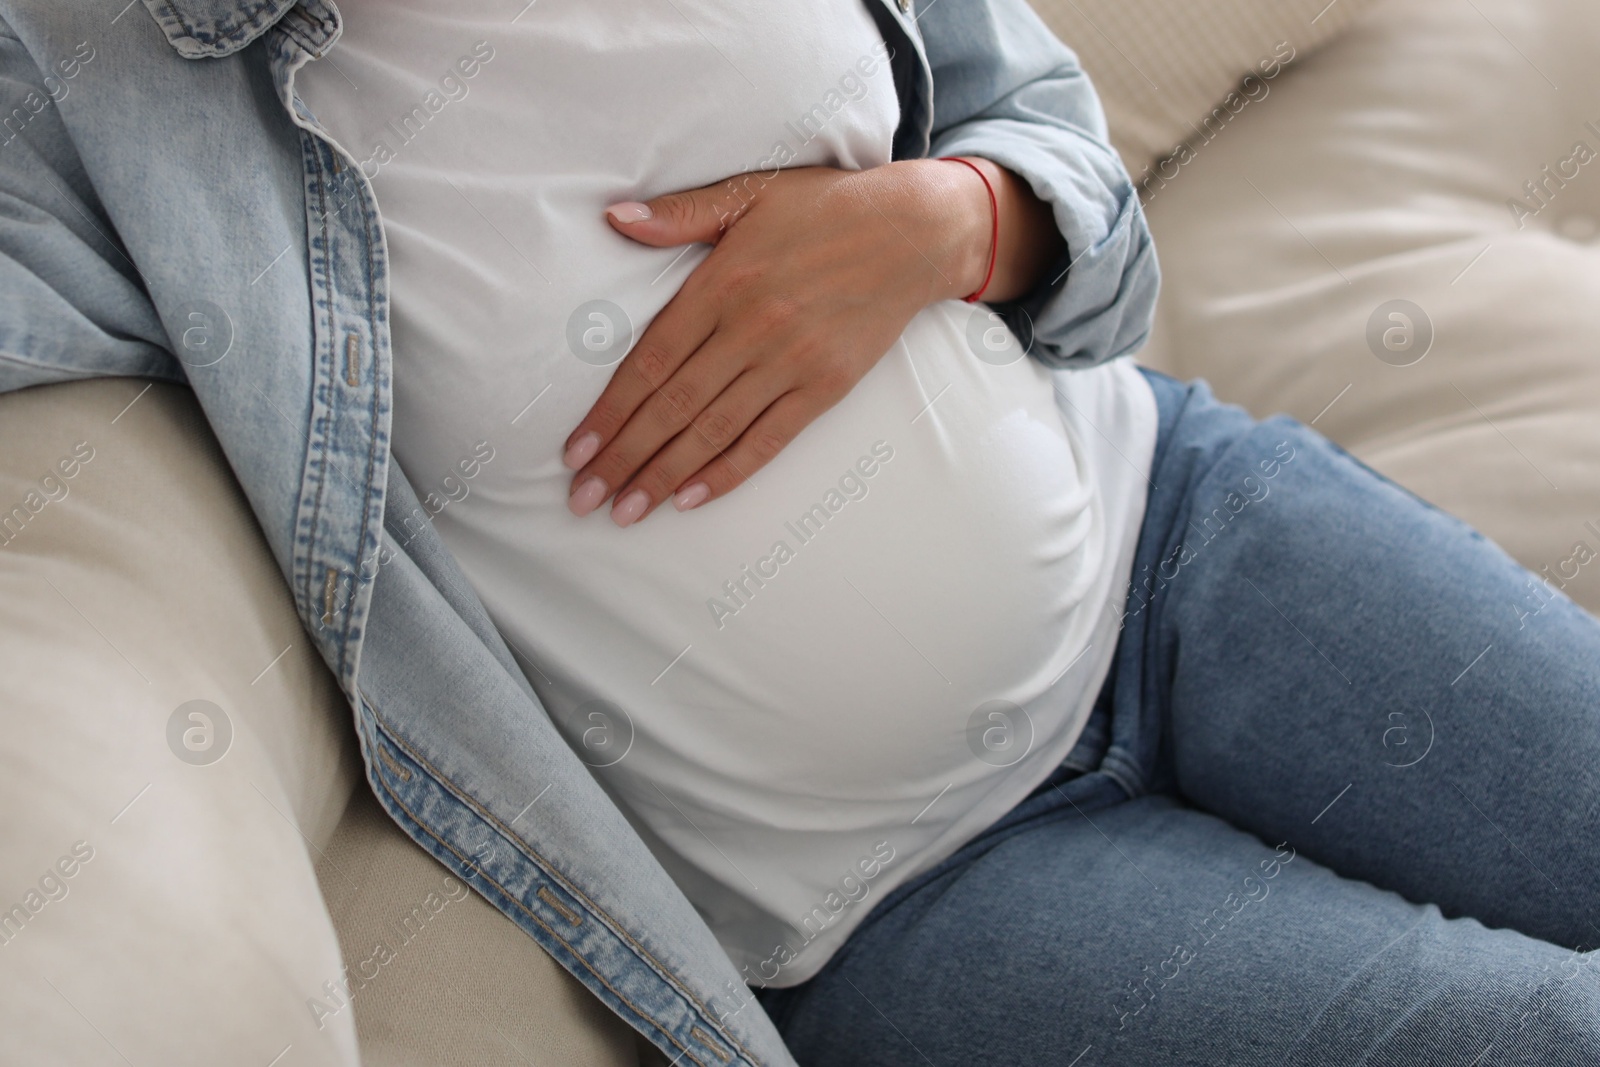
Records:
x=989, y=706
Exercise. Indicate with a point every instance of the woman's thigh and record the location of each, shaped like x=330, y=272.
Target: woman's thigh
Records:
x=1149, y=932
x=1352, y=669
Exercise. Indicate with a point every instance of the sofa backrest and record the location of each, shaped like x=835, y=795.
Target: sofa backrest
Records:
x=1172, y=70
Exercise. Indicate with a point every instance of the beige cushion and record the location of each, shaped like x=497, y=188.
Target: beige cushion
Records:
x=1162, y=66
x=133, y=580
x=1382, y=171
x=195, y=930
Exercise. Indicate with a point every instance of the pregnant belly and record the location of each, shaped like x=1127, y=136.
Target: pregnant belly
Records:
x=918, y=551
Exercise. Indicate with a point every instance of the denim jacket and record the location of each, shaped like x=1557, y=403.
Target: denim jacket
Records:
x=169, y=209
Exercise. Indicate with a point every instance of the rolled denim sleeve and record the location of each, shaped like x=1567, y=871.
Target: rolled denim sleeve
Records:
x=1005, y=88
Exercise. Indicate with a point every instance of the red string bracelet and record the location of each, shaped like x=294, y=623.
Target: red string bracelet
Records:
x=994, y=215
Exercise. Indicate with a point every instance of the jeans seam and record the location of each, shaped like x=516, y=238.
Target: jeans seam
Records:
x=1124, y=771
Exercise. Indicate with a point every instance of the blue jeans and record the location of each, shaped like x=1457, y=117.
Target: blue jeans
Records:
x=1337, y=804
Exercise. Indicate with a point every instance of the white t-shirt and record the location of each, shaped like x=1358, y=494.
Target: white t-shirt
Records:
x=807, y=691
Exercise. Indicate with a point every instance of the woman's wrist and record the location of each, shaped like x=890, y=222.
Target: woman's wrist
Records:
x=982, y=186
x=963, y=233
x=942, y=210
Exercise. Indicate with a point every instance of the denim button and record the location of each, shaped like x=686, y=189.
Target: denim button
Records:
x=905, y=7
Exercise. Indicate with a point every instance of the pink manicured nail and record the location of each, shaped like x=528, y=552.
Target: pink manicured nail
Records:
x=692, y=497
x=587, y=497
x=629, y=211
x=630, y=507
x=582, y=450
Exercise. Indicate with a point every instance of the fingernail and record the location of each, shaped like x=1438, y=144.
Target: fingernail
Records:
x=587, y=497
x=630, y=507
x=629, y=211
x=582, y=450
x=692, y=497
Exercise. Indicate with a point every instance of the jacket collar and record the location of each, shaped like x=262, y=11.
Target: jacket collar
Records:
x=206, y=29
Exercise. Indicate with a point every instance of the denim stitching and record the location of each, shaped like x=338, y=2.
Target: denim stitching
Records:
x=554, y=875
x=330, y=585
x=706, y=1040
x=320, y=180
x=298, y=34
x=352, y=359
x=396, y=768
x=249, y=24
x=554, y=901
x=307, y=29
x=372, y=448
x=315, y=519
x=467, y=862
x=314, y=163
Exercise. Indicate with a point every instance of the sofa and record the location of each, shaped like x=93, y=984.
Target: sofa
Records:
x=1374, y=215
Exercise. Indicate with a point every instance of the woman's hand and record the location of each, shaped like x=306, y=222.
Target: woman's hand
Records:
x=815, y=273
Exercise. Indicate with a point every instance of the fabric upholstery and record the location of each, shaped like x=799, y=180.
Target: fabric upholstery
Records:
x=1161, y=66
x=133, y=582
x=1395, y=165
x=192, y=927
